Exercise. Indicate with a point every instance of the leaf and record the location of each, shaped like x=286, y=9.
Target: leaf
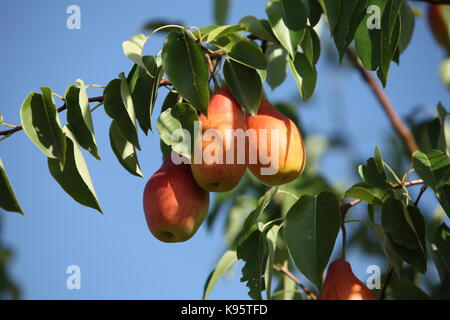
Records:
x=311, y=45
x=221, y=31
x=245, y=85
x=248, y=53
x=144, y=91
x=404, y=289
x=443, y=196
x=311, y=227
x=332, y=8
x=252, y=250
x=271, y=238
x=1, y=119
x=228, y=259
x=79, y=117
x=259, y=28
x=263, y=202
x=277, y=66
x=368, y=194
x=152, y=25
x=170, y=101
x=408, y=22
x=186, y=68
x=289, y=39
x=41, y=124
x=221, y=9
x=433, y=167
x=133, y=48
x=406, y=229
x=373, y=172
x=442, y=242
x=305, y=75
x=124, y=150
x=176, y=128
x=120, y=109
x=294, y=14
x=8, y=200
x=74, y=178
x=388, y=250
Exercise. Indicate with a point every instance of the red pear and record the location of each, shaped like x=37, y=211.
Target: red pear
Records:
x=341, y=284
x=225, y=115
x=174, y=205
x=438, y=19
x=278, y=145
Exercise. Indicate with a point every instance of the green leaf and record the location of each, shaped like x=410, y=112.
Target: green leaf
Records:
x=263, y=202
x=41, y=124
x=368, y=194
x=74, y=178
x=332, y=9
x=248, y=53
x=133, y=48
x=443, y=196
x=176, y=128
x=373, y=172
x=289, y=39
x=388, y=250
x=118, y=105
x=310, y=231
x=253, y=251
x=404, y=289
x=271, y=238
x=294, y=14
x=8, y=200
x=245, y=85
x=433, y=167
x=277, y=66
x=144, y=91
x=1, y=119
x=221, y=31
x=311, y=45
x=259, y=28
x=221, y=9
x=186, y=68
x=124, y=150
x=408, y=22
x=170, y=101
x=305, y=75
x=79, y=117
x=442, y=242
x=228, y=259
x=406, y=229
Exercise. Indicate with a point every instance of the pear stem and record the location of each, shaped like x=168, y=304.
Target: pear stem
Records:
x=211, y=70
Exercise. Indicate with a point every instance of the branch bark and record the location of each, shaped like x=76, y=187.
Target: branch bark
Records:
x=402, y=130
x=289, y=274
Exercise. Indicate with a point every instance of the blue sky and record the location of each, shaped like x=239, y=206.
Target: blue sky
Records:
x=117, y=255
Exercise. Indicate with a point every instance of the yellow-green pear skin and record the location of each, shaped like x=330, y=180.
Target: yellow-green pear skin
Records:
x=289, y=156
x=174, y=205
x=224, y=113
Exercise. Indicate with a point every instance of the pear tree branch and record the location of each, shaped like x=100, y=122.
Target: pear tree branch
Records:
x=291, y=276
x=401, y=129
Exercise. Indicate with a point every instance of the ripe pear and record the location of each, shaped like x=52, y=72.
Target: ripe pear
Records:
x=439, y=25
x=174, y=205
x=341, y=284
x=214, y=173
x=284, y=152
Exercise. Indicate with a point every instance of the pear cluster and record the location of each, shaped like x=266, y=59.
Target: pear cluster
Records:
x=176, y=197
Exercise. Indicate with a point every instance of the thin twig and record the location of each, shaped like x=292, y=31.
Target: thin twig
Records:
x=386, y=283
x=401, y=129
x=9, y=132
x=289, y=274
x=211, y=70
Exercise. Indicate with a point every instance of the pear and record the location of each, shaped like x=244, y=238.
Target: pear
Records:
x=278, y=145
x=341, y=284
x=174, y=205
x=213, y=171
x=439, y=25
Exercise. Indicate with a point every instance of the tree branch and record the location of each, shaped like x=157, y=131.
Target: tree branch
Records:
x=289, y=274
x=401, y=129
x=163, y=82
